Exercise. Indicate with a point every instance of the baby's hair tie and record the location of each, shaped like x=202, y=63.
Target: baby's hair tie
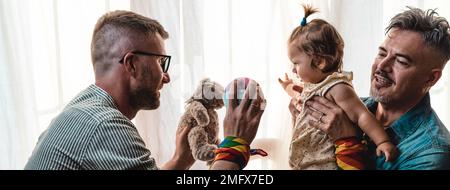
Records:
x=303, y=23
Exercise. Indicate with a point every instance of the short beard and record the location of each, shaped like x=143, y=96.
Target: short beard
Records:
x=144, y=99
x=144, y=96
x=379, y=98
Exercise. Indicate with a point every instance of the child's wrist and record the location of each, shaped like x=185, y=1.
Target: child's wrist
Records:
x=382, y=142
x=289, y=87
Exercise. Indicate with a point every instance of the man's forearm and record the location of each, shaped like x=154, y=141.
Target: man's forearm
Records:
x=224, y=165
x=176, y=164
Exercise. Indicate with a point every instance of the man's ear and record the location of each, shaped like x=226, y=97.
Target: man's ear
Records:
x=129, y=64
x=433, y=77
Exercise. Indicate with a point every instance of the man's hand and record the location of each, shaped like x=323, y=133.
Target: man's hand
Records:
x=242, y=120
x=182, y=158
x=329, y=118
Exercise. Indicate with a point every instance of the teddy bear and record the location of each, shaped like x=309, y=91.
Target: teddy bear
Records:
x=200, y=114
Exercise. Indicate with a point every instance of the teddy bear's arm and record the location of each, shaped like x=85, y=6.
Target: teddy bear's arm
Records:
x=200, y=113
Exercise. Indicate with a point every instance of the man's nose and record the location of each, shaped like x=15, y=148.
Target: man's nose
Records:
x=386, y=63
x=166, y=78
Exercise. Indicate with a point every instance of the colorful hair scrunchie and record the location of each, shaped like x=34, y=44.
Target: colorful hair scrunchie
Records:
x=303, y=23
x=236, y=150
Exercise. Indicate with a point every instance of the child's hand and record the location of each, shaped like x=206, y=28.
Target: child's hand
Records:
x=288, y=85
x=287, y=81
x=389, y=151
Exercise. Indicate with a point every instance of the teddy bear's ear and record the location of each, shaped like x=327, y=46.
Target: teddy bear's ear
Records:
x=198, y=93
x=205, y=80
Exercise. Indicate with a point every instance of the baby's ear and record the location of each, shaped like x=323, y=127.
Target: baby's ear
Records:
x=321, y=63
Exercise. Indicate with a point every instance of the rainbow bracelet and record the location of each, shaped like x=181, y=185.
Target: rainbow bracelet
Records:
x=350, y=153
x=236, y=150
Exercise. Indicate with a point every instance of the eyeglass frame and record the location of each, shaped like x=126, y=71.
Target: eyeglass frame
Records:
x=165, y=58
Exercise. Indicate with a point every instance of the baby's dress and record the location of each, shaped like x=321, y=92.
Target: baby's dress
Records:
x=310, y=148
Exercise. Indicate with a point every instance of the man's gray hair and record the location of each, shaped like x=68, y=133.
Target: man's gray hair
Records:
x=434, y=29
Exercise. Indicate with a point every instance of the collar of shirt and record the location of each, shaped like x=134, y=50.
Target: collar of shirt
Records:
x=409, y=122
x=103, y=95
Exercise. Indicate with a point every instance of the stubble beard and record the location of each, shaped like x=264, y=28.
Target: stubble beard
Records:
x=145, y=99
x=375, y=95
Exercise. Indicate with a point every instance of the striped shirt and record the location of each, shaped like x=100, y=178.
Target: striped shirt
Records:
x=90, y=134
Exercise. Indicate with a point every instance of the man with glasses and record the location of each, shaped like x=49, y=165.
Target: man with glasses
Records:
x=94, y=131
x=164, y=59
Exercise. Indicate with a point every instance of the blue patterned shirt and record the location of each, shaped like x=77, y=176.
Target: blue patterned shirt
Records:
x=90, y=133
x=422, y=139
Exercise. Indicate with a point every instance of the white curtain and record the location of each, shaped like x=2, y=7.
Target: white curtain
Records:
x=222, y=39
x=45, y=61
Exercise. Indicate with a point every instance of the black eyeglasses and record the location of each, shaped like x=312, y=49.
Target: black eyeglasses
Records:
x=164, y=61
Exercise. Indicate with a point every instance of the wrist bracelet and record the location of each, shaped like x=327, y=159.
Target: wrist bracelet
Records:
x=385, y=141
x=350, y=154
x=236, y=150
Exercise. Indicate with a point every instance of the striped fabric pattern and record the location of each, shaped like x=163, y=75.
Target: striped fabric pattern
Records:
x=350, y=154
x=90, y=134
